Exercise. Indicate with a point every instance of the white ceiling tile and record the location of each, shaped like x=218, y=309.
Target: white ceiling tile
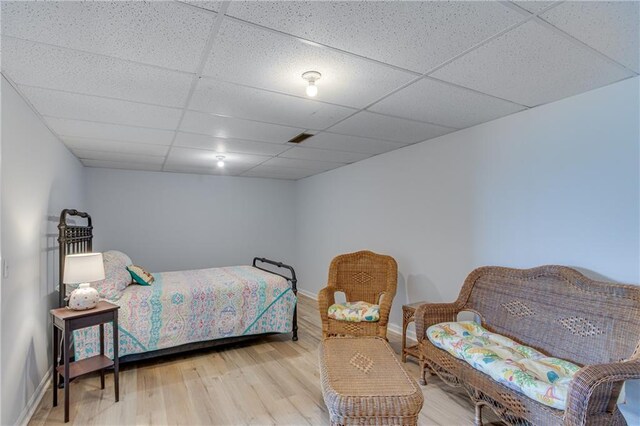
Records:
x=89, y=129
x=84, y=107
x=248, y=55
x=245, y=102
x=327, y=140
x=304, y=153
x=198, y=158
x=317, y=166
x=192, y=140
x=35, y=64
x=278, y=173
x=98, y=50
x=233, y=128
x=122, y=165
x=115, y=146
x=161, y=33
x=441, y=103
x=531, y=65
x=534, y=6
x=414, y=35
x=612, y=28
x=85, y=154
x=370, y=125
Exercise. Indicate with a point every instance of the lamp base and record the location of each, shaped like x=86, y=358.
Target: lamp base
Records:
x=83, y=298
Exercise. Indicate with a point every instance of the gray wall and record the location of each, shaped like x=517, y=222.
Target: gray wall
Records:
x=558, y=184
x=39, y=177
x=172, y=221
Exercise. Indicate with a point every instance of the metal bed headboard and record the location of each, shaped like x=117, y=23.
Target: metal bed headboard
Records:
x=72, y=239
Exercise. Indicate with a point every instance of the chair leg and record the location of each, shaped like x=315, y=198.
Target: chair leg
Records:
x=478, y=419
x=423, y=373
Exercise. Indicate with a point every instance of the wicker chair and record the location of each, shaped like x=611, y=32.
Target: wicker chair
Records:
x=362, y=276
x=558, y=311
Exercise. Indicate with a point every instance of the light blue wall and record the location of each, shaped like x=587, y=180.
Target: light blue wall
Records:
x=174, y=221
x=39, y=178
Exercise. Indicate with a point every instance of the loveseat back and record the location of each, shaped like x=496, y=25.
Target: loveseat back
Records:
x=558, y=311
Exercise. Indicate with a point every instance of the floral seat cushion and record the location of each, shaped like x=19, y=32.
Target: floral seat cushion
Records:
x=354, y=312
x=521, y=368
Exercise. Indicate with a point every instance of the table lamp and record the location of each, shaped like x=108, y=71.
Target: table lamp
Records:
x=83, y=269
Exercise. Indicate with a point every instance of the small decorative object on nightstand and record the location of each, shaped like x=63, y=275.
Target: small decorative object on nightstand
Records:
x=83, y=269
x=66, y=321
x=408, y=316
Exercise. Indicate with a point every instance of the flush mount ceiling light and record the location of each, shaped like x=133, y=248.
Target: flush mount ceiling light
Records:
x=312, y=77
x=220, y=160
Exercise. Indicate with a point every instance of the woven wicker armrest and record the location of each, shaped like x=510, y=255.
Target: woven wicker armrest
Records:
x=385, y=307
x=433, y=313
x=326, y=298
x=595, y=389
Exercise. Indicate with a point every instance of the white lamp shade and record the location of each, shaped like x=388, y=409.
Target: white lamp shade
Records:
x=83, y=268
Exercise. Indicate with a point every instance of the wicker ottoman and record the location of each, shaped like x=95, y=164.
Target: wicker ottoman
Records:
x=364, y=384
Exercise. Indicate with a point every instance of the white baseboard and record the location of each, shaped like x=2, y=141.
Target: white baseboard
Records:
x=392, y=327
x=35, y=399
x=397, y=329
x=309, y=294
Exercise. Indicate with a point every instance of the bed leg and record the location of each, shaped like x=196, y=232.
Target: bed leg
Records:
x=478, y=415
x=295, y=324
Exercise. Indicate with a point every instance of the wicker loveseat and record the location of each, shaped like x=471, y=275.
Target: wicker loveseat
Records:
x=559, y=312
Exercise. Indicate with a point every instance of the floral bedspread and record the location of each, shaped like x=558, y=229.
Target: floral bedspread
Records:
x=197, y=305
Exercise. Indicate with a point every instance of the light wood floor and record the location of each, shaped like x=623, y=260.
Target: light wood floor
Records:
x=269, y=381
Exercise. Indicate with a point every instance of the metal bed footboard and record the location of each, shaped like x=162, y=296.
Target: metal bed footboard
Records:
x=291, y=278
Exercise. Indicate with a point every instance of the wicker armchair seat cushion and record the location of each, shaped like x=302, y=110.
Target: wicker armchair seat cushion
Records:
x=519, y=367
x=354, y=312
x=364, y=383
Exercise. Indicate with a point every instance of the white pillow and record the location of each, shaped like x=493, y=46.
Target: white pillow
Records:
x=117, y=277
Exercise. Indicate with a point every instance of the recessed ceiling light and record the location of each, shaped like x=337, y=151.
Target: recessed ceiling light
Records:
x=220, y=160
x=312, y=77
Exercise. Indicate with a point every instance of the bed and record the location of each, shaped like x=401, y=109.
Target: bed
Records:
x=185, y=310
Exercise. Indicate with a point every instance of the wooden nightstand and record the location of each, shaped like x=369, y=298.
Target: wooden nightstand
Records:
x=66, y=321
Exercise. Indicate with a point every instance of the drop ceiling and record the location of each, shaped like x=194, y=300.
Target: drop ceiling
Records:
x=168, y=86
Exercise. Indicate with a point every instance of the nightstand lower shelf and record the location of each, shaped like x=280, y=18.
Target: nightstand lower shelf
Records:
x=85, y=366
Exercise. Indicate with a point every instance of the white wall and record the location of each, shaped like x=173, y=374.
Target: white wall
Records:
x=558, y=184
x=170, y=221
x=39, y=178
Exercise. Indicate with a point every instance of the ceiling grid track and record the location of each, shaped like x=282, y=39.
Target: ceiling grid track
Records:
x=215, y=29
x=426, y=74
x=102, y=55
x=418, y=78
x=32, y=108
